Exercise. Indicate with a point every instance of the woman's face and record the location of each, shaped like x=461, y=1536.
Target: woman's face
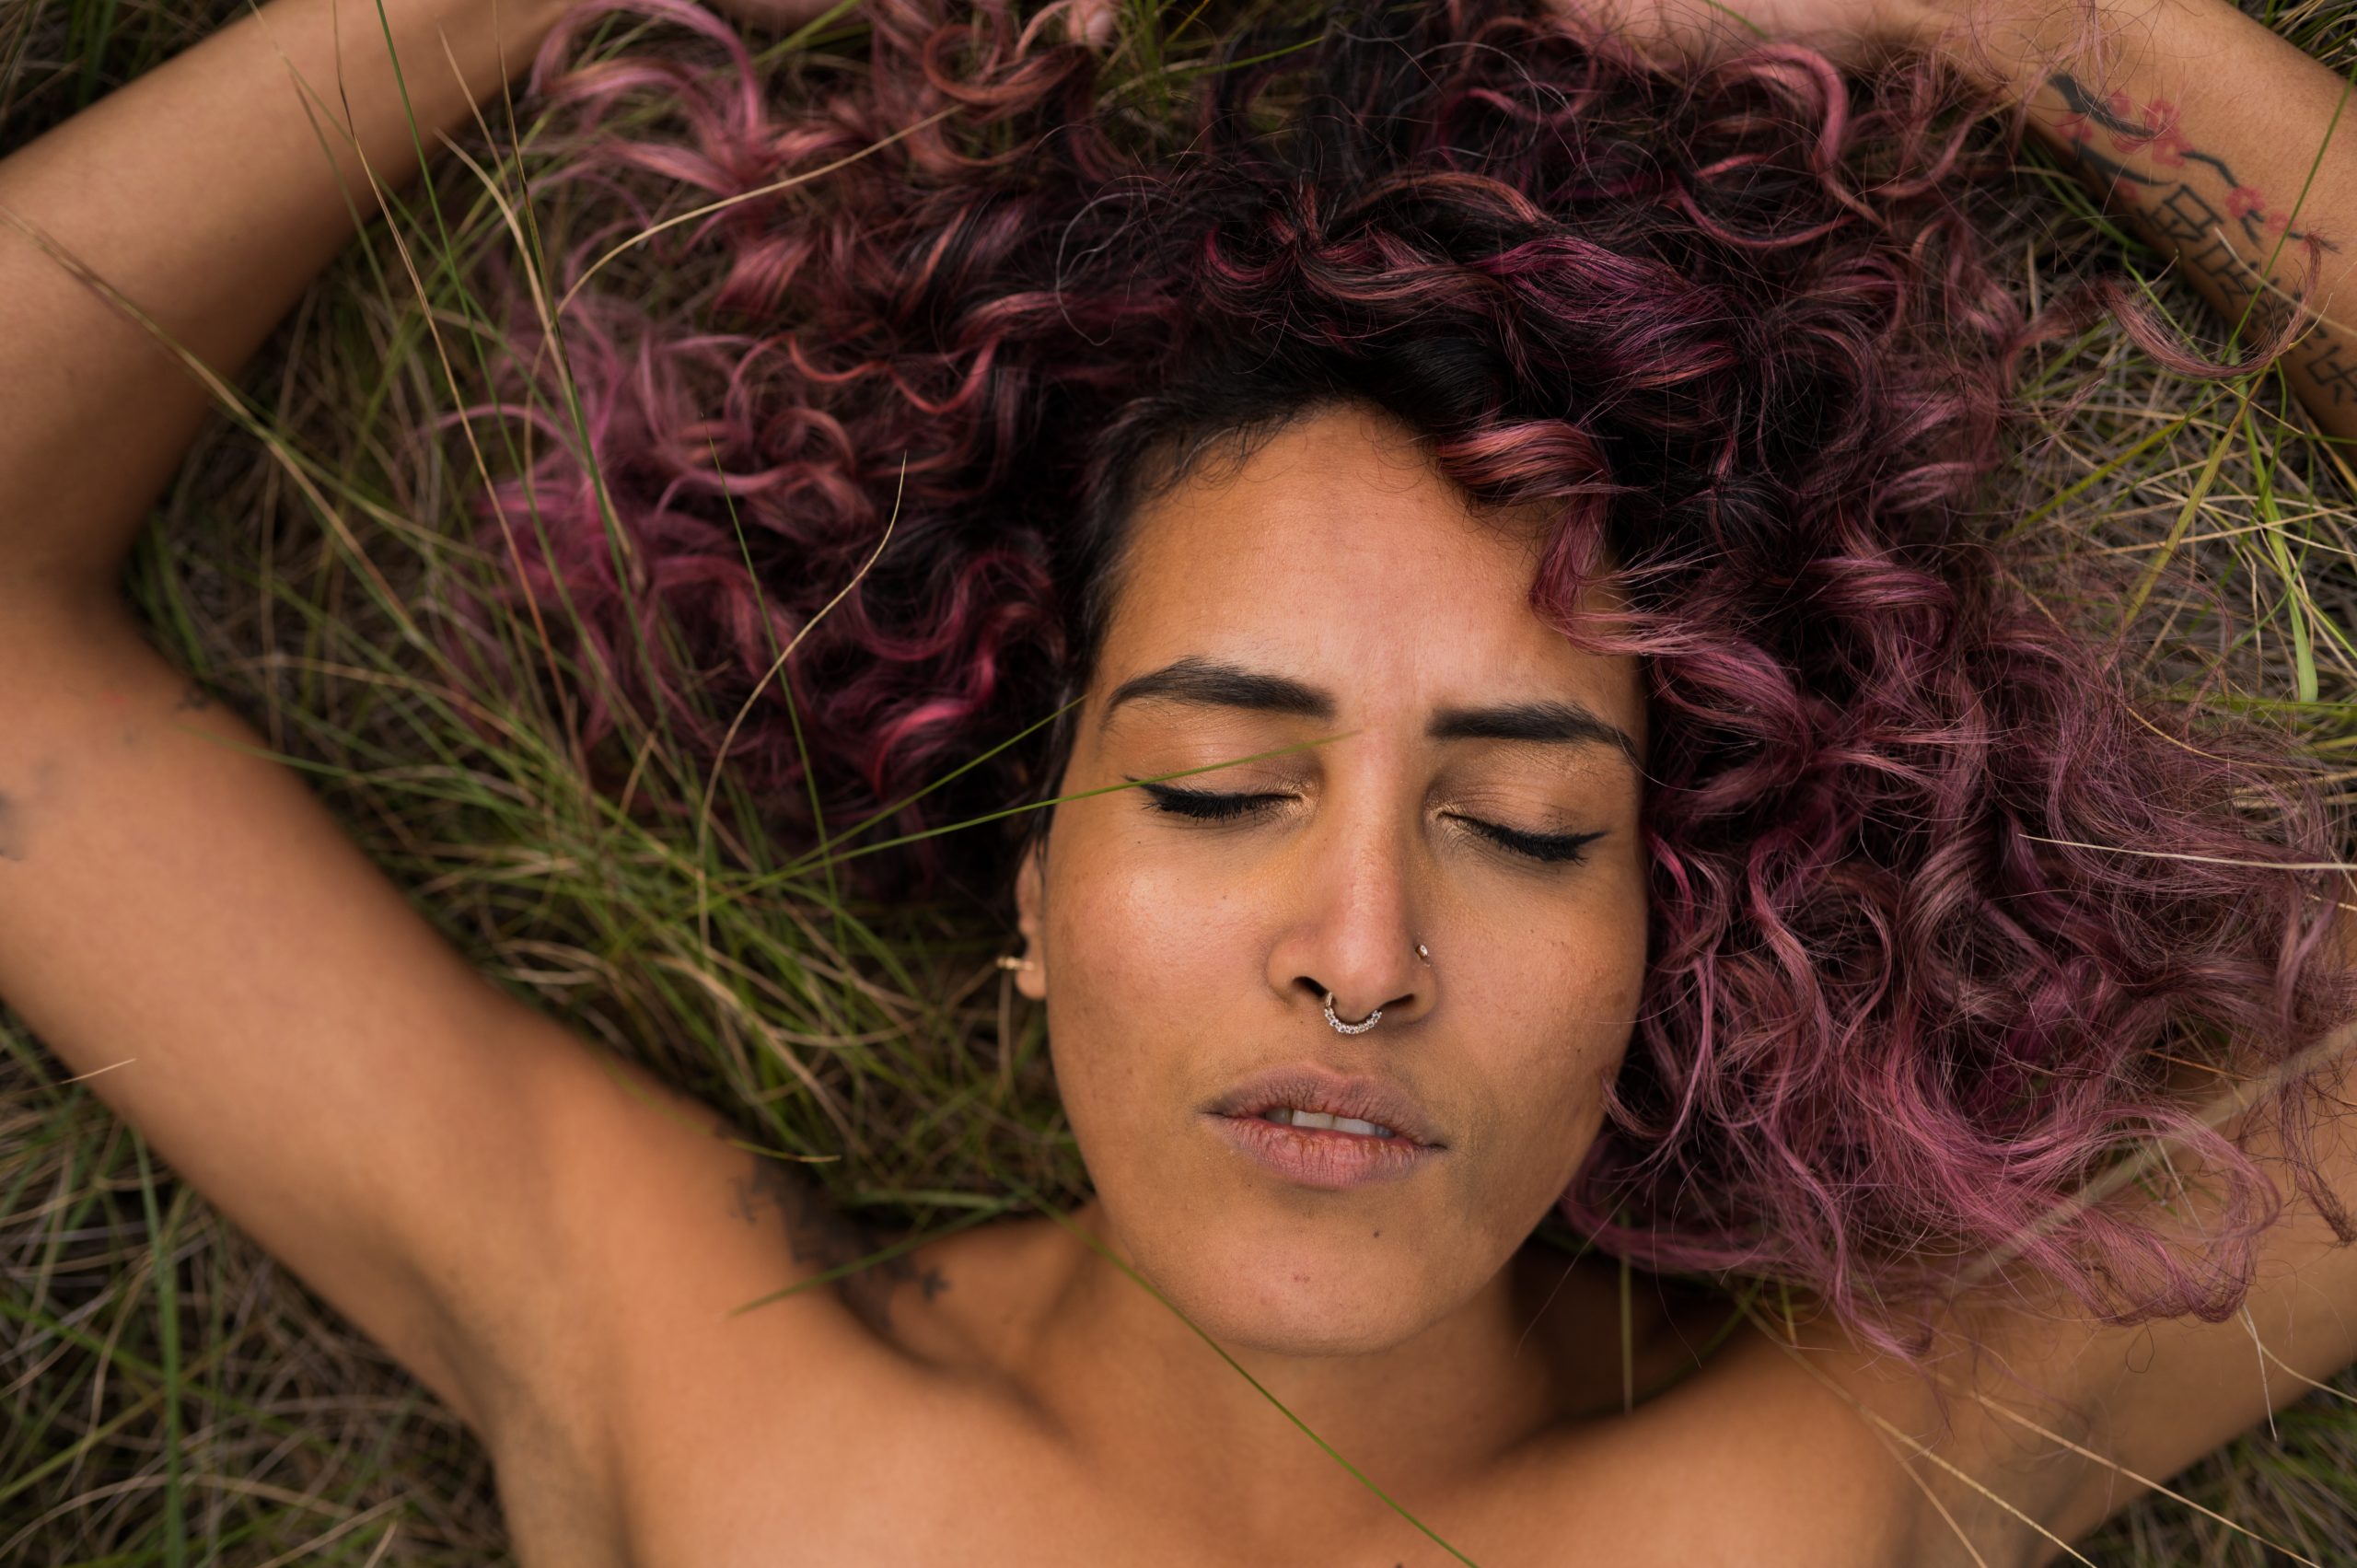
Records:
x=1336, y=586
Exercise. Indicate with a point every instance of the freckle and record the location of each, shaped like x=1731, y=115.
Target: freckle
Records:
x=11, y=834
x=1378, y=1234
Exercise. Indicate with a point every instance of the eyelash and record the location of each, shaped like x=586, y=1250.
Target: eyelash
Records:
x=1551, y=849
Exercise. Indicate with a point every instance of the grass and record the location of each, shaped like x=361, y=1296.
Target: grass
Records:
x=173, y=1397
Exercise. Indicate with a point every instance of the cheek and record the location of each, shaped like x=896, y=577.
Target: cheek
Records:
x=1557, y=1046
x=1131, y=919
x=1134, y=964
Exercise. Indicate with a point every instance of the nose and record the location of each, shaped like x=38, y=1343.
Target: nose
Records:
x=1354, y=933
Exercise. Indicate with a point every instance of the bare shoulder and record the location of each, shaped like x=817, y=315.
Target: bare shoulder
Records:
x=1750, y=1459
x=1715, y=1448
x=1926, y=1474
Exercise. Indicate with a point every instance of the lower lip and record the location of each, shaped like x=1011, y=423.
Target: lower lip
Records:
x=1319, y=1156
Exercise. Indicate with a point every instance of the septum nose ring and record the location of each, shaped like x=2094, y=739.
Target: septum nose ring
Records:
x=1372, y=1018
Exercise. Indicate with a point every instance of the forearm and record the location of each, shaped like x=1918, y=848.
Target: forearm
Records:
x=201, y=194
x=2202, y=126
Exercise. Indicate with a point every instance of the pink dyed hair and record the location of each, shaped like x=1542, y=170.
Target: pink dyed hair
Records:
x=1895, y=1008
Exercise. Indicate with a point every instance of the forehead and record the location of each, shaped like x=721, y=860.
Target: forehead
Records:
x=1336, y=553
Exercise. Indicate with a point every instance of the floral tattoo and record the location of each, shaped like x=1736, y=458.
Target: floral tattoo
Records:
x=2192, y=204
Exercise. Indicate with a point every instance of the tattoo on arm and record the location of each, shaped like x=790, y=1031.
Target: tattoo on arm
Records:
x=820, y=1238
x=2336, y=375
x=2191, y=210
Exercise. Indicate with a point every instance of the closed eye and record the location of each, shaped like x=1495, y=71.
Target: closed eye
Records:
x=1560, y=849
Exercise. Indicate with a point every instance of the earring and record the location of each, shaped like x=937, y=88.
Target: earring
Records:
x=1009, y=961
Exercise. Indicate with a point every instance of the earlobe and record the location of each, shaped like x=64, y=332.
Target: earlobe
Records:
x=1031, y=896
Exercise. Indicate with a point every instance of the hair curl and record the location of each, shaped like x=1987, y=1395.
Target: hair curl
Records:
x=1730, y=326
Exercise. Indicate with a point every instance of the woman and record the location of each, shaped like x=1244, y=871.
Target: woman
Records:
x=1493, y=570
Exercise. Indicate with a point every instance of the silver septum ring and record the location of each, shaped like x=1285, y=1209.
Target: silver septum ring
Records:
x=1340, y=1027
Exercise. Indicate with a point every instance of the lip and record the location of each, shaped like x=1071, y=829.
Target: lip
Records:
x=1308, y=1085
x=1319, y=1156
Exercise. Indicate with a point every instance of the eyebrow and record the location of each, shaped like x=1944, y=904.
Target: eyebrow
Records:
x=1212, y=683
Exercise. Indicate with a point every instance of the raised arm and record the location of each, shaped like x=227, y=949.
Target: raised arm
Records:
x=2197, y=122
x=202, y=192
x=2207, y=130
x=485, y=1194
x=2204, y=128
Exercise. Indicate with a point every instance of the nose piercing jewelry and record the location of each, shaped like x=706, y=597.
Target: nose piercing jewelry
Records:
x=1363, y=1024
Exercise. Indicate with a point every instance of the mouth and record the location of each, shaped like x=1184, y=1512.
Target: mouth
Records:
x=1287, y=1116
x=1309, y=1099
x=1302, y=1150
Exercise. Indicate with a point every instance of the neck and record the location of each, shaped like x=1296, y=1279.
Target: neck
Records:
x=1157, y=1411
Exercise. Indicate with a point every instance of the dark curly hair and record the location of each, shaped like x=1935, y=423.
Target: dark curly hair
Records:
x=1913, y=971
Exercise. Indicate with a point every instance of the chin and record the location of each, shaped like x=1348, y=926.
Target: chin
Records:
x=1249, y=1294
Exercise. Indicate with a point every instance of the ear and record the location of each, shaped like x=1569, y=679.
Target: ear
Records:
x=1030, y=899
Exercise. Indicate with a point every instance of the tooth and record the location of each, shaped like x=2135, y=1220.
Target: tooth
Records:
x=1312, y=1118
x=1282, y=1115
x=1383, y=1131
x=1352, y=1124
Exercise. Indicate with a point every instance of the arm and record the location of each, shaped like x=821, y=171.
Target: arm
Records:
x=2162, y=1395
x=2205, y=126
x=202, y=194
x=214, y=229
x=2054, y=1421
x=482, y=1193
x=2202, y=126
x=2206, y=129
x=2199, y=123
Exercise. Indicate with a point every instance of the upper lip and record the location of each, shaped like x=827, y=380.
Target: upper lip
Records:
x=1305, y=1085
